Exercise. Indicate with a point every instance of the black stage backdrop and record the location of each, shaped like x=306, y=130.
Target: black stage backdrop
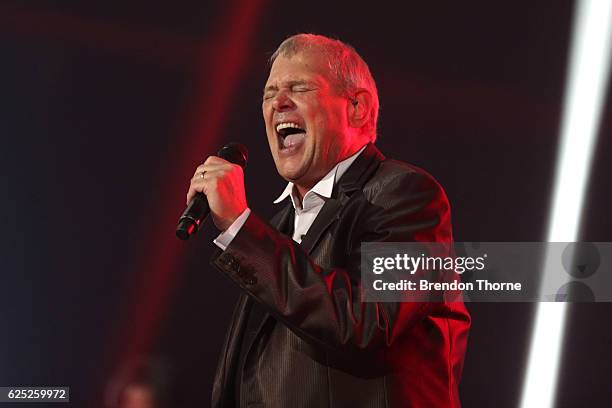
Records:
x=107, y=109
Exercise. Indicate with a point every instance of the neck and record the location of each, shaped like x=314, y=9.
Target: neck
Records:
x=303, y=188
x=301, y=191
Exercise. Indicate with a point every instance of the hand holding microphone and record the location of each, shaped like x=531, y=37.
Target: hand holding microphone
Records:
x=217, y=187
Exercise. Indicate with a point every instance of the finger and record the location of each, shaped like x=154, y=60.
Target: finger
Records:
x=197, y=185
x=191, y=193
x=215, y=160
x=201, y=182
x=202, y=168
x=198, y=175
x=225, y=165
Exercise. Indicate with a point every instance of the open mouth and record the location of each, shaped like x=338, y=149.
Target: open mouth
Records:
x=290, y=135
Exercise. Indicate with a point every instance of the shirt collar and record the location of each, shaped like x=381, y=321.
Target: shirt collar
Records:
x=325, y=186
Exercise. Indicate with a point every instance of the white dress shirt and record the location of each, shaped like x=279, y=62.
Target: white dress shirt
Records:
x=306, y=212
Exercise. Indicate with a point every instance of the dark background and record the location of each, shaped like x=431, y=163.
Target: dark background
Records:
x=108, y=108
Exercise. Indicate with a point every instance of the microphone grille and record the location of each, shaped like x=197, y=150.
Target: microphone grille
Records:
x=236, y=153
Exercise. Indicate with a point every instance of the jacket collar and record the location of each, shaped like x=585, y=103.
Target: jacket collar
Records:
x=355, y=177
x=360, y=172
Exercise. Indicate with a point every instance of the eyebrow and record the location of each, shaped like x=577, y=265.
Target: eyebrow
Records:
x=290, y=84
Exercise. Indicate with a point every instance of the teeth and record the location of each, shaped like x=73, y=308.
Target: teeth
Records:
x=286, y=125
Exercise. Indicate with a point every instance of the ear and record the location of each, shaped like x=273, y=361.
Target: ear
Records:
x=359, y=108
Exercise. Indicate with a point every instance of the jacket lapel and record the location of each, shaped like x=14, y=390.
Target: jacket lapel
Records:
x=354, y=179
x=283, y=220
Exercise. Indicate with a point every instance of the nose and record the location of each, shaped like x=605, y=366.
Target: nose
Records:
x=282, y=102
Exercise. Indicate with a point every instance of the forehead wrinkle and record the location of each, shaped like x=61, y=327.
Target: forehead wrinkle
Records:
x=303, y=63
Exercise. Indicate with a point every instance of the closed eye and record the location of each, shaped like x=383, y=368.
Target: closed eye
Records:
x=302, y=89
x=297, y=88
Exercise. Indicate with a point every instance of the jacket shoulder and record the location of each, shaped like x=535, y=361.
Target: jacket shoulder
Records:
x=395, y=175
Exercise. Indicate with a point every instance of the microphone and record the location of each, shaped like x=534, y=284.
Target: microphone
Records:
x=198, y=208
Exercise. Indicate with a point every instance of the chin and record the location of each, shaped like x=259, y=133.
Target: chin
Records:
x=291, y=176
x=290, y=168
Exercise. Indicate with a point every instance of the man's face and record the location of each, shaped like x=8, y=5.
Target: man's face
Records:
x=306, y=119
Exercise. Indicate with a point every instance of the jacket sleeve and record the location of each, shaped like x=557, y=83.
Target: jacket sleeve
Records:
x=323, y=305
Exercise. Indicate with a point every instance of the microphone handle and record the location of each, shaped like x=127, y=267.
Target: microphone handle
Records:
x=197, y=210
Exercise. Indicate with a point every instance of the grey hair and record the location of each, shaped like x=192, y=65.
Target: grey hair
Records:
x=349, y=71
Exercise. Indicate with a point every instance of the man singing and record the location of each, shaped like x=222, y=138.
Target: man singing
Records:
x=300, y=335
